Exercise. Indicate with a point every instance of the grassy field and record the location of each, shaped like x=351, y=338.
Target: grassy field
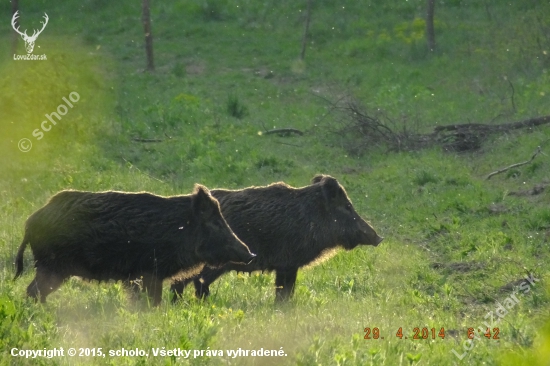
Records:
x=457, y=246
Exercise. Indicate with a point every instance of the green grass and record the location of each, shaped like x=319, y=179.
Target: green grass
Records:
x=228, y=71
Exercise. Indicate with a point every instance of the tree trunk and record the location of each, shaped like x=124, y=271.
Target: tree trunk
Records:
x=15, y=36
x=306, y=30
x=430, y=33
x=146, y=20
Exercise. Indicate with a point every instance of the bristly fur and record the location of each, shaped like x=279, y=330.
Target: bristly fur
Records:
x=117, y=235
x=324, y=256
x=288, y=228
x=188, y=273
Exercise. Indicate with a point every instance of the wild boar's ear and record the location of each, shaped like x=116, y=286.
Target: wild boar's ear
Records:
x=331, y=188
x=317, y=178
x=203, y=203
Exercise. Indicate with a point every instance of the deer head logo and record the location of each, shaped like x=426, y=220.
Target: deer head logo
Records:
x=29, y=41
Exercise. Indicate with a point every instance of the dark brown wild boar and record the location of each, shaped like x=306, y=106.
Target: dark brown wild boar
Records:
x=126, y=236
x=287, y=228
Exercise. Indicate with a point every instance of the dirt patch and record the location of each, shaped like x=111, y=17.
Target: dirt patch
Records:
x=497, y=208
x=195, y=68
x=511, y=285
x=537, y=189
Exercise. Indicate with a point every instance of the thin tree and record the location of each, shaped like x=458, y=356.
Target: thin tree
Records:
x=306, y=30
x=146, y=20
x=15, y=36
x=430, y=32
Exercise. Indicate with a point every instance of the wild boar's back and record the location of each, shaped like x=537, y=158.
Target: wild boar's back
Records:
x=290, y=226
x=271, y=216
x=109, y=235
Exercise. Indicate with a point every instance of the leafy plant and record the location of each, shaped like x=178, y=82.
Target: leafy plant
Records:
x=235, y=108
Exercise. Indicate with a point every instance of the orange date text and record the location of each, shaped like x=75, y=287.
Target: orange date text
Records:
x=487, y=334
x=417, y=333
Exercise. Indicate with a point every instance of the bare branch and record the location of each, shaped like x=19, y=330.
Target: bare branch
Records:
x=430, y=32
x=364, y=129
x=512, y=97
x=284, y=131
x=146, y=20
x=538, y=151
x=306, y=30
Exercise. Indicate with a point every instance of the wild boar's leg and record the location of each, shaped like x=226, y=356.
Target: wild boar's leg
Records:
x=205, y=278
x=284, y=283
x=202, y=289
x=202, y=281
x=179, y=285
x=44, y=283
x=152, y=285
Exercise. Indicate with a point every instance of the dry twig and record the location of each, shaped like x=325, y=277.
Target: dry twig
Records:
x=284, y=131
x=538, y=151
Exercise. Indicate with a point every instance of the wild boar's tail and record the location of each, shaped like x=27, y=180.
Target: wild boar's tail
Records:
x=19, y=257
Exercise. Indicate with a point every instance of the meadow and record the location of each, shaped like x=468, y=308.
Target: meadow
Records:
x=457, y=246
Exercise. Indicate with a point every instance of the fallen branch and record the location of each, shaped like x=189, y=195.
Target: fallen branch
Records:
x=469, y=136
x=531, y=122
x=538, y=151
x=362, y=129
x=284, y=131
x=537, y=189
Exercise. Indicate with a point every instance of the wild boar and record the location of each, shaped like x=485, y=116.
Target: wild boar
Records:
x=125, y=236
x=287, y=228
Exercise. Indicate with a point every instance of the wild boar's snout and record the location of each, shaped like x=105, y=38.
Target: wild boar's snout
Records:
x=245, y=259
x=369, y=237
x=239, y=253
